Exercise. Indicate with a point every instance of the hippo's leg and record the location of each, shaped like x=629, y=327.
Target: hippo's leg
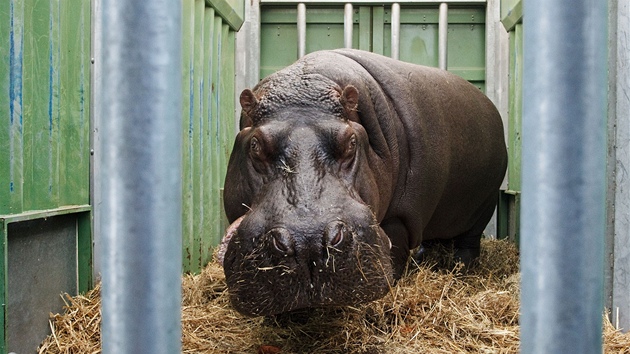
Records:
x=399, y=236
x=467, y=246
x=466, y=249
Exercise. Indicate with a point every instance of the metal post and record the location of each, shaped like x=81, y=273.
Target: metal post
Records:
x=564, y=175
x=443, y=36
x=301, y=29
x=141, y=176
x=395, y=30
x=347, y=25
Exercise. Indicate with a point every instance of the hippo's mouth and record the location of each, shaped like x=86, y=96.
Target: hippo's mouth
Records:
x=355, y=269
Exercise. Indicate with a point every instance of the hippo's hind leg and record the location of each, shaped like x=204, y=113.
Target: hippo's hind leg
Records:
x=467, y=246
x=446, y=253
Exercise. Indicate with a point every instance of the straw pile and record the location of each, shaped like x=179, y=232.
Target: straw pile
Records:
x=429, y=311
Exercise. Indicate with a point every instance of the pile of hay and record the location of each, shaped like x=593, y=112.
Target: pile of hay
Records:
x=428, y=311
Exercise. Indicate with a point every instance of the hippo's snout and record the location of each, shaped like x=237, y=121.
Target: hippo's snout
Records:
x=283, y=243
x=275, y=269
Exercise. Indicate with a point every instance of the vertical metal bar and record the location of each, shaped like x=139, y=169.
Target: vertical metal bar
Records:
x=301, y=29
x=564, y=165
x=443, y=36
x=347, y=25
x=618, y=247
x=95, y=140
x=395, y=30
x=141, y=225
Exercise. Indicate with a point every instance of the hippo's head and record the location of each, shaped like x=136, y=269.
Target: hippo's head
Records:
x=305, y=200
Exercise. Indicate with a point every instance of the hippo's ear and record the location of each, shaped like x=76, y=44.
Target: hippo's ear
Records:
x=350, y=100
x=248, y=102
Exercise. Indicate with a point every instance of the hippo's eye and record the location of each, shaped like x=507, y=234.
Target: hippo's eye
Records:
x=352, y=144
x=254, y=146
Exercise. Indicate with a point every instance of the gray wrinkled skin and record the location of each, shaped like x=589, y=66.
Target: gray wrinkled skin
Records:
x=346, y=161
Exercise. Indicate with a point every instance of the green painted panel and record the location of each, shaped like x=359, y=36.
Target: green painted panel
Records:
x=515, y=108
x=511, y=13
x=37, y=107
x=208, y=120
x=323, y=36
x=209, y=193
x=419, y=40
x=217, y=110
x=45, y=80
x=197, y=133
x=418, y=36
x=84, y=251
x=227, y=114
x=231, y=11
x=278, y=47
x=365, y=28
x=45, y=121
x=378, y=39
x=188, y=17
x=11, y=131
x=74, y=115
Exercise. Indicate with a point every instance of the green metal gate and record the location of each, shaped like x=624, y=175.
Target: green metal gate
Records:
x=372, y=31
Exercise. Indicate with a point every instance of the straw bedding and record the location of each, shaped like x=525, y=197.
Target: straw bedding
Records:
x=428, y=311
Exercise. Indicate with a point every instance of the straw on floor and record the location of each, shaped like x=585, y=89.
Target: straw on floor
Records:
x=428, y=311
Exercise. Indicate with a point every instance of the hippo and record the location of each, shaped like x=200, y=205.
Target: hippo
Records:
x=346, y=161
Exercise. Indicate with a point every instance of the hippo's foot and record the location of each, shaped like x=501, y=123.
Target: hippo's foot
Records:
x=466, y=250
x=448, y=254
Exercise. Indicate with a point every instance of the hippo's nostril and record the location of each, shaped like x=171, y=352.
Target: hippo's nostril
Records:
x=335, y=233
x=282, y=240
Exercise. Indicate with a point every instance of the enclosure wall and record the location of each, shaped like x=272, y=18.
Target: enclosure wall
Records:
x=44, y=160
x=208, y=71
x=372, y=28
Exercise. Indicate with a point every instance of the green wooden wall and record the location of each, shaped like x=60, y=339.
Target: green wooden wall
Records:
x=44, y=126
x=44, y=104
x=372, y=32
x=509, y=220
x=208, y=122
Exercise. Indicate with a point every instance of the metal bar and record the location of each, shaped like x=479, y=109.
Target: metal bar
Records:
x=368, y=2
x=395, y=53
x=301, y=29
x=443, y=36
x=347, y=25
x=141, y=181
x=564, y=165
x=618, y=245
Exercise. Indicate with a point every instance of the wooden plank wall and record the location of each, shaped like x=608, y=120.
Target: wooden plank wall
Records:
x=208, y=123
x=44, y=104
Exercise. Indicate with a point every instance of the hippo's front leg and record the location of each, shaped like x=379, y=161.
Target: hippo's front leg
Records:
x=399, y=237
